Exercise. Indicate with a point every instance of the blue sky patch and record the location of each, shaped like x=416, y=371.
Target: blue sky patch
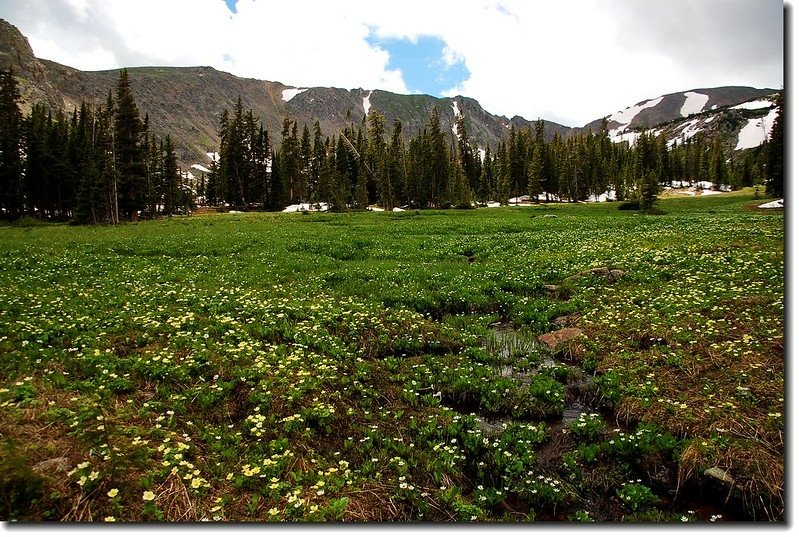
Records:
x=231, y=5
x=422, y=64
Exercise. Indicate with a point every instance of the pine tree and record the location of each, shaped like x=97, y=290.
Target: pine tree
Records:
x=775, y=166
x=395, y=164
x=290, y=160
x=535, y=171
x=262, y=167
x=171, y=177
x=317, y=162
x=305, y=186
x=503, y=181
x=486, y=183
x=376, y=159
x=436, y=165
x=461, y=194
x=11, y=197
x=649, y=189
x=129, y=159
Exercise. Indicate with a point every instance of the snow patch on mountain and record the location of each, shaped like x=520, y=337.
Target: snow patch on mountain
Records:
x=456, y=111
x=618, y=136
x=213, y=156
x=756, y=131
x=694, y=103
x=688, y=130
x=626, y=116
x=367, y=104
x=290, y=93
x=201, y=168
x=753, y=105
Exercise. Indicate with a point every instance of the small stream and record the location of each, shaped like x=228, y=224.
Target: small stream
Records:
x=518, y=356
x=513, y=349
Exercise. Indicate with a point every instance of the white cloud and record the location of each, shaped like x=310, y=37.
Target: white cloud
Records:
x=570, y=62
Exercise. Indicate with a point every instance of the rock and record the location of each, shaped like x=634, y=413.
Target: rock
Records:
x=552, y=291
x=59, y=465
x=560, y=337
x=616, y=274
x=563, y=320
x=611, y=275
x=719, y=474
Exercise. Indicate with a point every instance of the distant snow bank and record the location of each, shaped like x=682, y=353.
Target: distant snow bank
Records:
x=201, y=168
x=626, y=116
x=310, y=207
x=290, y=93
x=753, y=105
x=694, y=103
x=687, y=131
x=457, y=113
x=776, y=204
x=367, y=103
x=756, y=131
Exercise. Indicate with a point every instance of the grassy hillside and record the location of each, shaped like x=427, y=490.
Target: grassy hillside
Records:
x=386, y=366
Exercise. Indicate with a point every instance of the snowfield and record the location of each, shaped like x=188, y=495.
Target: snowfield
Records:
x=290, y=93
x=753, y=105
x=776, y=204
x=201, y=168
x=457, y=112
x=625, y=117
x=687, y=131
x=367, y=104
x=756, y=131
x=299, y=207
x=694, y=103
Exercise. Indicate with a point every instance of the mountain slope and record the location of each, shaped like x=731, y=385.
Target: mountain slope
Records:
x=187, y=101
x=741, y=115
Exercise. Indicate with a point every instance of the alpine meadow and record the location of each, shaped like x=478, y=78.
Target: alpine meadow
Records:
x=262, y=303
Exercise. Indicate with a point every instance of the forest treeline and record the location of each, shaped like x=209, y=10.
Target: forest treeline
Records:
x=101, y=164
x=104, y=164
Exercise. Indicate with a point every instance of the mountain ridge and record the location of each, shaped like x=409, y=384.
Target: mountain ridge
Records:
x=186, y=102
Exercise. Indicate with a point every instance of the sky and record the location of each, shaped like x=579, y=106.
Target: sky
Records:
x=564, y=61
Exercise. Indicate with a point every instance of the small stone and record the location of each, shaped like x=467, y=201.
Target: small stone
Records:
x=560, y=337
x=563, y=320
x=52, y=466
x=616, y=274
x=721, y=475
x=552, y=291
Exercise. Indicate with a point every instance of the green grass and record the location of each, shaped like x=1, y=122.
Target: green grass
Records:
x=291, y=367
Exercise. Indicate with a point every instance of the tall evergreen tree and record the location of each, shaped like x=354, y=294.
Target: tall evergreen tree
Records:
x=775, y=164
x=395, y=165
x=503, y=181
x=129, y=160
x=11, y=166
x=170, y=177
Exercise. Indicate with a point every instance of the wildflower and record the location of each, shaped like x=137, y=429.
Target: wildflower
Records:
x=148, y=495
x=113, y=493
x=110, y=518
